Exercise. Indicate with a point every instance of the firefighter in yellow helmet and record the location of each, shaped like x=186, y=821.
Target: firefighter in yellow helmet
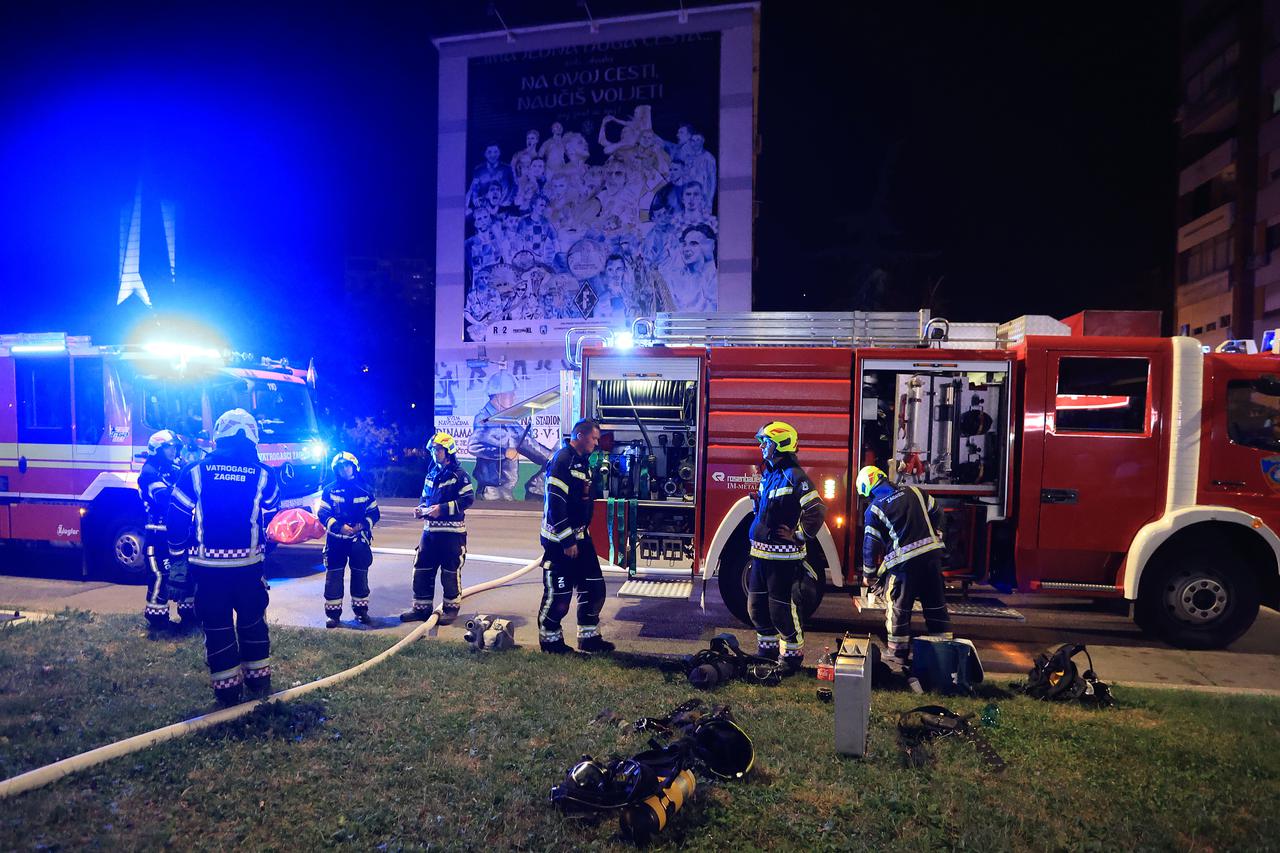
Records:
x=348, y=511
x=902, y=557
x=446, y=494
x=789, y=513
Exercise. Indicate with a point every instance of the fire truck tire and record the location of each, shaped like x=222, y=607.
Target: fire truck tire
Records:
x=118, y=553
x=1194, y=600
x=735, y=563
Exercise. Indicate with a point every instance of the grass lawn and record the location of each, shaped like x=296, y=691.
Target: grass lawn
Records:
x=446, y=749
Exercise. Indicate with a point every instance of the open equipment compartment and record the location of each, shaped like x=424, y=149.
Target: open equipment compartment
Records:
x=945, y=428
x=645, y=476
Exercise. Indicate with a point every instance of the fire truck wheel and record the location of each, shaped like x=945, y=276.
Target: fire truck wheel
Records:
x=735, y=564
x=120, y=554
x=1196, y=601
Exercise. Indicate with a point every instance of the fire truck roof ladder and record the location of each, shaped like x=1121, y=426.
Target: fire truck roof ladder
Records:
x=819, y=329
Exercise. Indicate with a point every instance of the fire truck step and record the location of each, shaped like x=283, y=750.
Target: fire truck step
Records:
x=974, y=608
x=656, y=589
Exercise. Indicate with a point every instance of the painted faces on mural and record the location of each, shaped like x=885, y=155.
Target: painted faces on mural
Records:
x=557, y=129
x=537, y=168
x=615, y=177
x=696, y=248
x=491, y=155
x=692, y=198
x=615, y=273
x=531, y=139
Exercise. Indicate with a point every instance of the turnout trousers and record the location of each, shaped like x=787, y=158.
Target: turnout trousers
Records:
x=156, y=554
x=773, y=602
x=232, y=606
x=444, y=553
x=338, y=553
x=561, y=575
x=916, y=579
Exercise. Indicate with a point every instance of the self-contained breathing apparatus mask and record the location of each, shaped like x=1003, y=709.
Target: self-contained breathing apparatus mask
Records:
x=649, y=788
x=726, y=660
x=1056, y=677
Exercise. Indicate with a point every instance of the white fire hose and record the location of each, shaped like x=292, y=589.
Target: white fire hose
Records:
x=42, y=776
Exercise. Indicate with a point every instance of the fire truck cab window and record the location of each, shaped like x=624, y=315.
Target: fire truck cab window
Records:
x=1102, y=395
x=44, y=400
x=90, y=415
x=175, y=405
x=283, y=409
x=1253, y=413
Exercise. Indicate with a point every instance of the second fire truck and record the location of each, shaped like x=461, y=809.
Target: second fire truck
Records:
x=1121, y=465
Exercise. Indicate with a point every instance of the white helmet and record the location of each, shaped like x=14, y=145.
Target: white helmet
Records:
x=236, y=421
x=160, y=439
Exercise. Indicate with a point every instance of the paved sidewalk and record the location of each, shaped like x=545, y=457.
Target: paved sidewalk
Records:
x=501, y=543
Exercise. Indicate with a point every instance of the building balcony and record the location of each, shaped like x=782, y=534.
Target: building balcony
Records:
x=1215, y=222
x=1207, y=167
x=1215, y=111
x=1202, y=289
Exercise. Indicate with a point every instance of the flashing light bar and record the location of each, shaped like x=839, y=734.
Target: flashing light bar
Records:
x=35, y=342
x=183, y=352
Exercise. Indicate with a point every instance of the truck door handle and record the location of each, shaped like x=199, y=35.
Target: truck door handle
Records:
x=1228, y=482
x=1059, y=496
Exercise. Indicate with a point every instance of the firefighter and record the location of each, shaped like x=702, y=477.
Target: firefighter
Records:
x=569, y=558
x=348, y=512
x=217, y=521
x=446, y=494
x=902, y=558
x=155, y=482
x=789, y=514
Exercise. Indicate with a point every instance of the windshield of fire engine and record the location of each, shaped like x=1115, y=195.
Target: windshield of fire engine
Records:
x=283, y=409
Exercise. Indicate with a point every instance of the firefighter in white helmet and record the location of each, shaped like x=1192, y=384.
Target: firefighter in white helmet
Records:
x=446, y=494
x=217, y=521
x=348, y=511
x=789, y=515
x=155, y=482
x=902, y=557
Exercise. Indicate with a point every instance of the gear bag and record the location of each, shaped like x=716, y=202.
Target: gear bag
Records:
x=950, y=667
x=1055, y=676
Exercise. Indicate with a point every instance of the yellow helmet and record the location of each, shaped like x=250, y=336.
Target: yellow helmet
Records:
x=868, y=478
x=344, y=458
x=783, y=436
x=443, y=439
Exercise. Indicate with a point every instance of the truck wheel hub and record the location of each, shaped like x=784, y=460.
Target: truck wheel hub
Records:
x=1196, y=598
x=129, y=549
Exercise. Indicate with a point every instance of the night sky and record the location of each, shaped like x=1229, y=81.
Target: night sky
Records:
x=986, y=160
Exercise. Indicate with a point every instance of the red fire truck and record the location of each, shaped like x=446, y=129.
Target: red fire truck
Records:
x=1129, y=467
x=75, y=418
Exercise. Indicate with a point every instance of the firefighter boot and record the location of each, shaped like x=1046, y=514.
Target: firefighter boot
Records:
x=767, y=647
x=416, y=614
x=793, y=661
x=595, y=645
x=229, y=695
x=259, y=688
x=333, y=622
x=448, y=613
x=555, y=647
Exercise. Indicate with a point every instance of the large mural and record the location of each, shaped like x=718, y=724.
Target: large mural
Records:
x=590, y=188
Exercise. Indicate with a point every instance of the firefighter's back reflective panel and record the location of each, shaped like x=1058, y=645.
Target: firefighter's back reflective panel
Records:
x=855, y=660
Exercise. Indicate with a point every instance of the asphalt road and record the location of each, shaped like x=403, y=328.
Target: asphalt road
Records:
x=500, y=541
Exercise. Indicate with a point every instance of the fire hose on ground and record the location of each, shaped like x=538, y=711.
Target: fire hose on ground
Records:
x=42, y=776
